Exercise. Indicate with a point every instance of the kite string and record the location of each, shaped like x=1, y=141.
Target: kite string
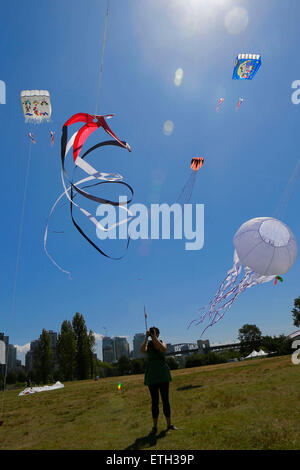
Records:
x=17, y=263
x=21, y=229
x=187, y=190
x=102, y=57
x=282, y=204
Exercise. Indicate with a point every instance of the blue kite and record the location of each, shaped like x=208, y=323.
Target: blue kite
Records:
x=246, y=66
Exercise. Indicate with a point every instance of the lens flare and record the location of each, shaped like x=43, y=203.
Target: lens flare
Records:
x=178, y=77
x=236, y=20
x=168, y=127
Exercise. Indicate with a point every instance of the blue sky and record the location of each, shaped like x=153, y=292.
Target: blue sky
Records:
x=249, y=157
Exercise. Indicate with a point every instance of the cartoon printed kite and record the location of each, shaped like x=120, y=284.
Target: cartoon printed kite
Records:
x=246, y=66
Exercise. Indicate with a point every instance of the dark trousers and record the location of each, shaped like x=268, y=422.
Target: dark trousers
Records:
x=163, y=388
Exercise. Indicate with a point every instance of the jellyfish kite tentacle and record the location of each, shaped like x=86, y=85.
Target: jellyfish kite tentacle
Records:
x=226, y=299
x=227, y=287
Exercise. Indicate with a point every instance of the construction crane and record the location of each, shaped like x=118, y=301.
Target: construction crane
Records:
x=105, y=329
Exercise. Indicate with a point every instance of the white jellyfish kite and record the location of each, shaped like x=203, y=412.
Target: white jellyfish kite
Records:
x=264, y=248
x=36, y=105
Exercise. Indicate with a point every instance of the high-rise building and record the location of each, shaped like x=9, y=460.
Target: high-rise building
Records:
x=138, y=339
x=12, y=357
x=29, y=360
x=5, y=339
x=108, y=350
x=29, y=356
x=121, y=347
x=3, y=355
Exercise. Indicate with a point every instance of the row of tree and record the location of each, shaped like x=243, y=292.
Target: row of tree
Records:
x=72, y=358
x=74, y=355
x=251, y=338
x=76, y=358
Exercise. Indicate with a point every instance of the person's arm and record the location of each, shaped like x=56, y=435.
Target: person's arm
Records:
x=144, y=344
x=158, y=344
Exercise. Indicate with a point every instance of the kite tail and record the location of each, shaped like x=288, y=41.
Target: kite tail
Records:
x=228, y=283
x=228, y=292
x=46, y=236
x=229, y=280
x=223, y=301
x=219, y=104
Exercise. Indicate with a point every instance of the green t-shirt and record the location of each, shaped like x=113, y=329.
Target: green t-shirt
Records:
x=157, y=370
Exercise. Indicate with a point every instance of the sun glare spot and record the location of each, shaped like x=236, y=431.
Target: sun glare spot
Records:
x=178, y=77
x=236, y=20
x=168, y=127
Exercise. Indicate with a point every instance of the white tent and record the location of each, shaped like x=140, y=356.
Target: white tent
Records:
x=253, y=354
x=262, y=353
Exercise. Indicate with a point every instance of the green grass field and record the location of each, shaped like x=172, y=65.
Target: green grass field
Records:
x=247, y=405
